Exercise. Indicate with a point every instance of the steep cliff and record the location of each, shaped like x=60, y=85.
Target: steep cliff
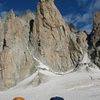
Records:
x=44, y=38
x=16, y=63
x=94, y=49
x=54, y=41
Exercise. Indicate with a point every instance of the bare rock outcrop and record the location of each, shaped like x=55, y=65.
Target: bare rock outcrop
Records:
x=53, y=41
x=44, y=35
x=16, y=63
x=94, y=49
x=27, y=19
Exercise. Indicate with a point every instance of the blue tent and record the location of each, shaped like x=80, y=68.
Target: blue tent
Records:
x=57, y=98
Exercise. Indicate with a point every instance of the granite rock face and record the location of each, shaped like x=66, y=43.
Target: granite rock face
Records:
x=44, y=36
x=54, y=42
x=16, y=63
x=94, y=49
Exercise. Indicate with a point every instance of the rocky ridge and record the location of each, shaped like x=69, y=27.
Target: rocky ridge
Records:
x=53, y=41
x=15, y=61
x=27, y=39
x=94, y=49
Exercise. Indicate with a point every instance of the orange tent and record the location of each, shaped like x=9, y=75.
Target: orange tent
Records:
x=18, y=98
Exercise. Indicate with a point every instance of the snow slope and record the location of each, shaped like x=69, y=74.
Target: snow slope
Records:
x=80, y=84
x=71, y=86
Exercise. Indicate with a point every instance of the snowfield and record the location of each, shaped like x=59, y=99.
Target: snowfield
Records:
x=82, y=83
x=43, y=85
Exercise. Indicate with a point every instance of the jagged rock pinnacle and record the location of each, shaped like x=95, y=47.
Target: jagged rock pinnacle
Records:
x=11, y=14
x=45, y=0
x=55, y=44
x=47, y=38
x=95, y=40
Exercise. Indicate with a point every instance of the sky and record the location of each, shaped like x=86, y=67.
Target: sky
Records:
x=78, y=12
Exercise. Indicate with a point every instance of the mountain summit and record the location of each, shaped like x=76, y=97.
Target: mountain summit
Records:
x=42, y=38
